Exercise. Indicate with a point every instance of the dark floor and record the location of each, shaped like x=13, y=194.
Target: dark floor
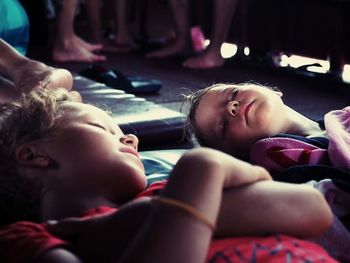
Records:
x=310, y=96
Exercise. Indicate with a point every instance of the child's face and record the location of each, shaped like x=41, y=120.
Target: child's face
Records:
x=94, y=155
x=232, y=118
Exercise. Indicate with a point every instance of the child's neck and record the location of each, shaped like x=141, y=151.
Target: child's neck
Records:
x=56, y=206
x=301, y=125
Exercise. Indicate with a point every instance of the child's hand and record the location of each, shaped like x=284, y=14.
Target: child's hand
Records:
x=103, y=238
x=235, y=172
x=89, y=237
x=239, y=172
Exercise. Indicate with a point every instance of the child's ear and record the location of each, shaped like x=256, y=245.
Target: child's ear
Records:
x=279, y=93
x=32, y=155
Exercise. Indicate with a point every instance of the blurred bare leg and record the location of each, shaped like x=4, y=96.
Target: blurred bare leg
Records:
x=123, y=41
x=68, y=46
x=211, y=56
x=94, y=16
x=182, y=28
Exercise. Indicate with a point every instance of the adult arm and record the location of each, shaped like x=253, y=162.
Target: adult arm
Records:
x=27, y=74
x=9, y=58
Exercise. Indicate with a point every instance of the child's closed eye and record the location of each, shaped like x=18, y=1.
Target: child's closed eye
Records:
x=98, y=125
x=231, y=95
x=234, y=94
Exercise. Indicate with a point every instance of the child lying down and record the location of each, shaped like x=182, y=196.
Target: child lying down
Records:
x=73, y=189
x=252, y=122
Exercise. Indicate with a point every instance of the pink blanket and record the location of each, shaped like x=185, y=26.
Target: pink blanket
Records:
x=337, y=124
x=278, y=153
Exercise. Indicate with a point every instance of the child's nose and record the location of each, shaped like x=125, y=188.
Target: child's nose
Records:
x=130, y=140
x=232, y=107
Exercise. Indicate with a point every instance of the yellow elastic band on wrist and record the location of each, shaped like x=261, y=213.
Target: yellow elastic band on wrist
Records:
x=187, y=208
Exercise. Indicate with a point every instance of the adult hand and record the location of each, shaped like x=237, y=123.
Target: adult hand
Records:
x=31, y=74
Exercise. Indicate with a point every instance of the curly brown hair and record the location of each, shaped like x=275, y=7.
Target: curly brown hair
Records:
x=32, y=117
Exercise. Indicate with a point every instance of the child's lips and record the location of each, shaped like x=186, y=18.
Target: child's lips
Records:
x=131, y=151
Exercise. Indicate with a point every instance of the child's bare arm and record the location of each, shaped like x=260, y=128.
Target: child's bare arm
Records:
x=249, y=207
x=272, y=207
x=165, y=233
x=197, y=180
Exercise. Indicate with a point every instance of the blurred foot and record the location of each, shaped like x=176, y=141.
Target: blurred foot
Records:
x=174, y=48
x=121, y=47
x=32, y=74
x=205, y=60
x=75, y=49
x=122, y=42
x=90, y=47
x=76, y=55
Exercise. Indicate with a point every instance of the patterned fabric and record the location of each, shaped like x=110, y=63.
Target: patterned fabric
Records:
x=269, y=249
x=25, y=241
x=338, y=128
x=153, y=189
x=279, y=153
x=297, y=159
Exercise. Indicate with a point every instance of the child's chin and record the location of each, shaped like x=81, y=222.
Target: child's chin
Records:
x=140, y=183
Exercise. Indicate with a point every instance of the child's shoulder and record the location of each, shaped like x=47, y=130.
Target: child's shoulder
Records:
x=319, y=139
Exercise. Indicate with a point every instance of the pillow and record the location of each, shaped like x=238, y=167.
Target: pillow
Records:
x=159, y=163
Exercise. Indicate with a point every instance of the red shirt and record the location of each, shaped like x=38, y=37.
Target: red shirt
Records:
x=25, y=241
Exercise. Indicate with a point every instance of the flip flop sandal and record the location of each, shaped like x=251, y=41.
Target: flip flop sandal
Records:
x=115, y=79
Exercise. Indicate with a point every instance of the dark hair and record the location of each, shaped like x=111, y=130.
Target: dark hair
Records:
x=193, y=101
x=32, y=117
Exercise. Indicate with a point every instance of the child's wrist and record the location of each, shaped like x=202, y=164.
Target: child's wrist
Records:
x=187, y=209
